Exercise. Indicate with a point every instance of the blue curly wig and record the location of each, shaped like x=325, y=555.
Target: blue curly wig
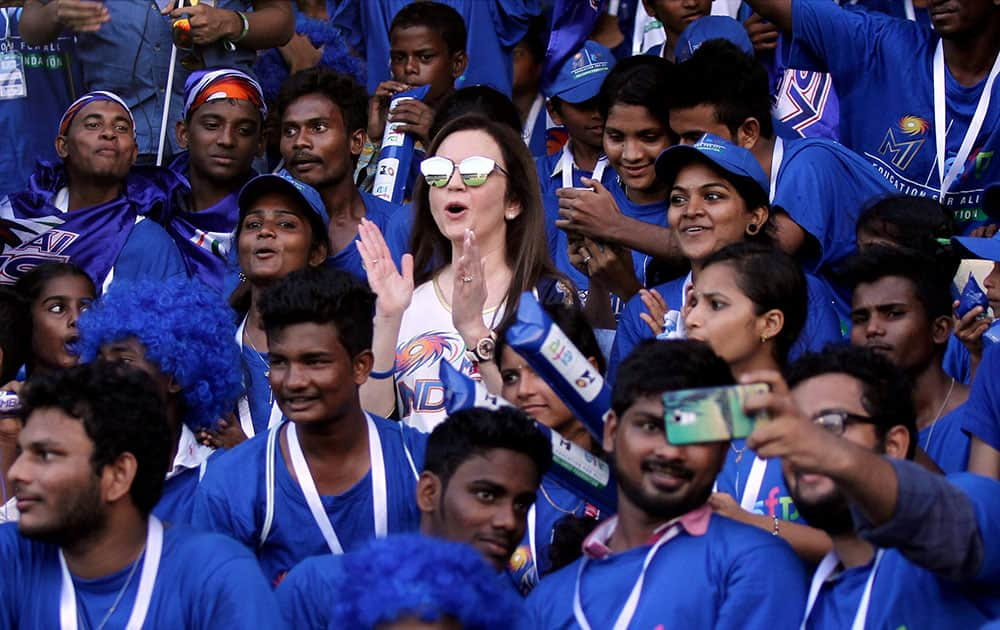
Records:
x=185, y=329
x=410, y=575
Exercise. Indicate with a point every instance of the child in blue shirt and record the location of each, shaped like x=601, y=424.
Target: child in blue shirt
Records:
x=354, y=475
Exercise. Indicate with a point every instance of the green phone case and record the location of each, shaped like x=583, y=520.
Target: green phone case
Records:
x=709, y=414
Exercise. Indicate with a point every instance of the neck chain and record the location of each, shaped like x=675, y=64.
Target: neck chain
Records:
x=738, y=451
x=930, y=433
x=121, y=593
x=260, y=355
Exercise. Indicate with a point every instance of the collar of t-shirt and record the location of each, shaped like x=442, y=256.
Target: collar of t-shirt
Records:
x=694, y=523
x=190, y=454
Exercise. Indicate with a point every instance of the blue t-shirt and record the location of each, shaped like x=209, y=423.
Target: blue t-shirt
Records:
x=149, y=254
x=982, y=409
x=824, y=187
x=397, y=233
x=907, y=596
x=232, y=500
x=494, y=28
x=177, y=499
x=956, y=362
x=204, y=581
x=773, y=499
x=553, y=502
x=378, y=211
x=734, y=576
x=882, y=70
x=822, y=324
x=946, y=443
x=30, y=124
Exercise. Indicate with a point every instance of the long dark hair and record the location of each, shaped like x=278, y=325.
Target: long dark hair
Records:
x=526, y=248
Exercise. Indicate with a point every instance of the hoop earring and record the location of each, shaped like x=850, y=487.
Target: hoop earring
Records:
x=752, y=229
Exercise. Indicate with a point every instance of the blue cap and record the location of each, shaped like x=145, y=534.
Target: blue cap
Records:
x=711, y=27
x=284, y=183
x=581, y=76
x=734, y=160
x=985, y=248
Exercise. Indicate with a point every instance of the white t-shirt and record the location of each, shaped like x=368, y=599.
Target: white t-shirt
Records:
x=426, y=337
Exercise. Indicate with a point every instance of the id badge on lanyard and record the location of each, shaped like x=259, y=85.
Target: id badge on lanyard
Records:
x=12, y=81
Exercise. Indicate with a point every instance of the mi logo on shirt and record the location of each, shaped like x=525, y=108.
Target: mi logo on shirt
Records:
x=902, y=148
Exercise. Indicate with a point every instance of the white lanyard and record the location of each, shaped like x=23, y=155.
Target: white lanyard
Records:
x=777, y=157
x=940, y=121
x=754, y=480
x=529, y=123
x=308, y=486
x=632, y=603
x=150, y=567
x=566, y=165
x=243, y=404
x=911, y=15
x=824, y=570
x=532, y=524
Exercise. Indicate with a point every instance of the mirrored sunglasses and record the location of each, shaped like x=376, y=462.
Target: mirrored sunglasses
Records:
x=473, y=170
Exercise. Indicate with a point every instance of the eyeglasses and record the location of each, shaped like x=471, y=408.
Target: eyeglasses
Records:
x=836, y=421
x=474, y=170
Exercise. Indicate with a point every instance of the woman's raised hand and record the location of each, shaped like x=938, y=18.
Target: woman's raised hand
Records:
x=468, y=294
x=393, y=289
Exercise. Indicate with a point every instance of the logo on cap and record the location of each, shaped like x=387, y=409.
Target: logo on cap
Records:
x=585, y=64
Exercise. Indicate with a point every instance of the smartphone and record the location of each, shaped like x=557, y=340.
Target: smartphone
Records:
x=710, y=414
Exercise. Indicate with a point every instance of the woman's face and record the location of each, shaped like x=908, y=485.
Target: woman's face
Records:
x=633, y=139
x=532, y=394
x=457, y=207
x=723, y=316
x=275, y=240
x=707, y=212
x=54, y=315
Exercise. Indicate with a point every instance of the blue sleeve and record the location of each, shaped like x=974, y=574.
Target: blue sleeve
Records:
x=726, y=479
x=149, y=254
x=830, y=39
x=217, y=505
x=982, y=410
x=941, y=524
x=237, y=596
x=745, y=604
x=957, y=362
x=631, y=330
x=511, y=19
x=301, y=595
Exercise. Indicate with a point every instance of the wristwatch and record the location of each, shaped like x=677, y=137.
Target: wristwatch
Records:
x=484, y=349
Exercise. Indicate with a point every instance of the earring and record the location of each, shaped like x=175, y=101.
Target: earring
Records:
x=763, y=338
x=753, y=229
x=243, y=277
x=510, y=216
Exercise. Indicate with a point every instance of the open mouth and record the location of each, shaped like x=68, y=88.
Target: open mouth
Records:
x=455, y=209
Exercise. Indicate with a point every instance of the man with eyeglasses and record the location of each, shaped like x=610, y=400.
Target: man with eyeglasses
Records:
x=910, y=549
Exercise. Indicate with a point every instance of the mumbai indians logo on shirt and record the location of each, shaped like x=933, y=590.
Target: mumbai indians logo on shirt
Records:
x=427, y=394
x=903, y=141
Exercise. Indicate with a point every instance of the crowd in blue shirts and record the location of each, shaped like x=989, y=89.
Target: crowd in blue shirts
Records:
x=482, y=313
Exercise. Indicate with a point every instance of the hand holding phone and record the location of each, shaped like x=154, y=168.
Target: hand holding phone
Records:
x=710, y=414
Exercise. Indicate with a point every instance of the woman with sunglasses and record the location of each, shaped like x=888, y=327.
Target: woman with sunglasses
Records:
x=478, y=243
x=718, y=196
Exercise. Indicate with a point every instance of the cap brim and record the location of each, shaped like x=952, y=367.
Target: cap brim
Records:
x=583, y=92
x=985, y=248
x=271, y=183
x=674, y=158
